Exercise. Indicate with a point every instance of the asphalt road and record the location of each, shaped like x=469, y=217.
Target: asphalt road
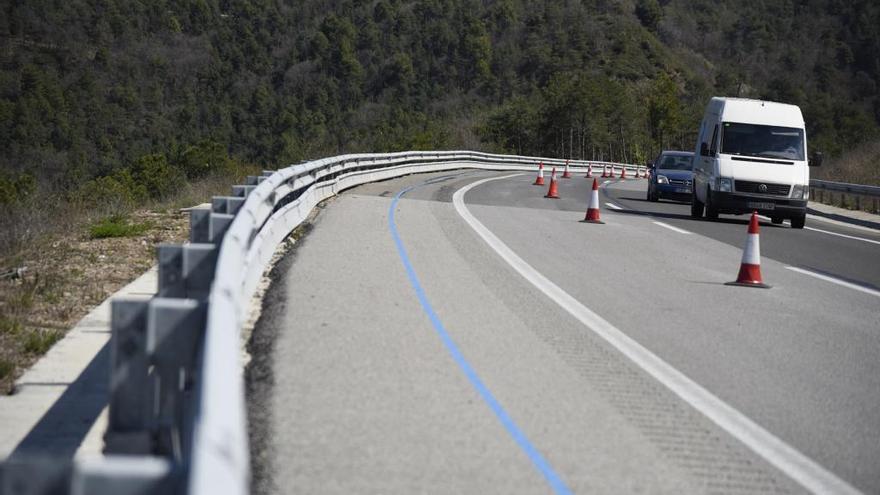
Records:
x=408, y=356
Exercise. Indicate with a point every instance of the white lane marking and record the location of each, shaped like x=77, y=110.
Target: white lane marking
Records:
x=837, y=281
x=613, y=206
x=794, y=464
x=843, y=235
x=672, y=228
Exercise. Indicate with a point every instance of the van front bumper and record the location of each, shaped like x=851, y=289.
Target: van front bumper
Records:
x=738, y=204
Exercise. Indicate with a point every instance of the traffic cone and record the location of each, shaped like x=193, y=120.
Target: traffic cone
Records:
x=623, y=171
x=604, y=171
x=566, y=174
x=589, y=171
x=539, y=180
x=553, y=193
x=593, y=209
x=750, y=268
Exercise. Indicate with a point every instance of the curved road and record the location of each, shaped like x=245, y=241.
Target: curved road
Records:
x=405, y=354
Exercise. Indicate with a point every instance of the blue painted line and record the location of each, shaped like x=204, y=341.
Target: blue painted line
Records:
x=537, y=459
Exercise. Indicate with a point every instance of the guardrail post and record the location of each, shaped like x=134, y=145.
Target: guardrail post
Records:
x=226, y=204
x=174, y=330
x=187, y=270
x=200, y=225
x=130, y=385
x=219, y=222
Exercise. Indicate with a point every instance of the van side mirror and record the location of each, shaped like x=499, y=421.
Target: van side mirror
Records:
x=704, y=149
x=649, y=164
x=815, y=159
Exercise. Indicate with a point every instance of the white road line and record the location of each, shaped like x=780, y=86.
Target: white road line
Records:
x=799, y=467
x=613, y=206
x=673, y=228
x=837, y=281
x=843, y=235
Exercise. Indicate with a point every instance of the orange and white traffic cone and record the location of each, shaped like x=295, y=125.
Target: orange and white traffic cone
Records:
x=645, y=175
x=539, y=180
x=593, y=209
x=623, y=171
x=604, y=171
x=553, y=192
x=750, y=268
x=589, y=171
x=566, y=174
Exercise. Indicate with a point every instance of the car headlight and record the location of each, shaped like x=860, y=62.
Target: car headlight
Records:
x=725, y=184
x=800, y=192
x=661, y=179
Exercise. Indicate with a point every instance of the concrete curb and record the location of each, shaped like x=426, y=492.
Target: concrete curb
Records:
x=60, y=402
x=832, y=213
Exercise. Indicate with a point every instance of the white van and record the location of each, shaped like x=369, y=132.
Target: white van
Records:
x=752, y=155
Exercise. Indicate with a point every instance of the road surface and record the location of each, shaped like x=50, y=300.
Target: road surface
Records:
x=405, y=354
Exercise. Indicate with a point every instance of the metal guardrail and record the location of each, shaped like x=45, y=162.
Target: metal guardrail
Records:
x=859, y=193
x=177, y=418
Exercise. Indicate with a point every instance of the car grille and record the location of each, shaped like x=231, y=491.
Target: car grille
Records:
x=680, y=182
x=755, y=188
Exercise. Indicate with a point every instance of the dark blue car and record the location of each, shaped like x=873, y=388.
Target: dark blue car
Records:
x=672, y=176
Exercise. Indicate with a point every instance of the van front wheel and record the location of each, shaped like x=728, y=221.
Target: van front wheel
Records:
x=799, y=221
x=696, y=207
x=711, y=210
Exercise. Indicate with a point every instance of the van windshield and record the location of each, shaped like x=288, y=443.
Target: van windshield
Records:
x=763, y=140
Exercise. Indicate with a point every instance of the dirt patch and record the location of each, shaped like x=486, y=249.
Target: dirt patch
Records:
x=67, y=274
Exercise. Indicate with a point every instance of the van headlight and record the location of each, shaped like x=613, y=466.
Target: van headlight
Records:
x=661, y=179
x=725, y=184
x=800, y=192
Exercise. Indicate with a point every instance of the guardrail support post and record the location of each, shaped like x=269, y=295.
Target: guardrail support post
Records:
x=130, y=384
x=174, y=330
x=200, y=225
x=219, y=222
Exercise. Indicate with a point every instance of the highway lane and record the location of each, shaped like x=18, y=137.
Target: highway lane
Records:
x=384, y=408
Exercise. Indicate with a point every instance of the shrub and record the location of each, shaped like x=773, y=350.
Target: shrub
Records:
x=116, y=226
x=158, y=178
x=113, y=194
x=15, y=188
x=205, y=158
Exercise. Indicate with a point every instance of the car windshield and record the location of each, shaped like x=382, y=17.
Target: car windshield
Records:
x=763, y=141
x=673, y=162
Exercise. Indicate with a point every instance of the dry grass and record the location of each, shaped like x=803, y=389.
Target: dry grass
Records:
x=859, y=166
x=70, y=270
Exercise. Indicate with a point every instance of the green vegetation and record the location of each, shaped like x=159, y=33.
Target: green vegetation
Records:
x=117, y=226
x=39, y=341
x=110, y=103
x=6, y=368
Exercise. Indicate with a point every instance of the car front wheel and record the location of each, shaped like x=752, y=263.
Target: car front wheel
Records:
x=799, y=221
